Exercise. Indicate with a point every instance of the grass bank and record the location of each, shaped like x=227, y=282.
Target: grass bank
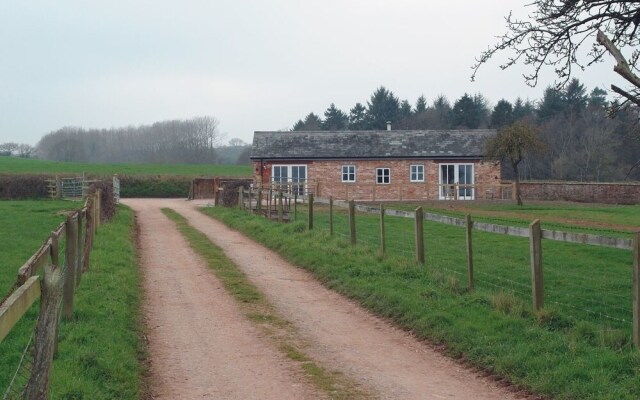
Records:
x=563, y=352
x=101, y=349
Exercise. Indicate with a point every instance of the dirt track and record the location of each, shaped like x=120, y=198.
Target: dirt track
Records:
x=202, y=347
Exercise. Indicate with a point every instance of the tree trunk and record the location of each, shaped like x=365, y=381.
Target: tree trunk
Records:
x=517, y=183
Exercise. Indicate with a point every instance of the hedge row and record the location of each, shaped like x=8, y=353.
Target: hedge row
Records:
x=17, y=187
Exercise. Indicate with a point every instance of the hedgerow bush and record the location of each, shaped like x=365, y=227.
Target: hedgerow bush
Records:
x=154, y=186
x=18, y=187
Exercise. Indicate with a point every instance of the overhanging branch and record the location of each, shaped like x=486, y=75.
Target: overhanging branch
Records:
x=626, y=95
x=622, y=68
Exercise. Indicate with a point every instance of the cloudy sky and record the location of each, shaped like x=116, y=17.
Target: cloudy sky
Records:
x=252, y=64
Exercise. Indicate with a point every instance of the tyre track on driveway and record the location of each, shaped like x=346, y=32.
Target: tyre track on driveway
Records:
x=201, y=346
x=342, y=335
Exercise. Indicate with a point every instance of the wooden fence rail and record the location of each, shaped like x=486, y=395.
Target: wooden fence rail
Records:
x=571, y=237
x=58, y=285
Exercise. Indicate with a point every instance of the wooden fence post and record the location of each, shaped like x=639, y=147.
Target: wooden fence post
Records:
x=88, y=239
x=382, y=238
x=58, y=187
x=469, y=252
x=46, y=334
x=535, y=245
x=280, y=207
x=70, y=258
x=352, y=221
x=636, y=289
x=259, y=205
x=99, y=209
x=419, y=235
x=240, y=199
x=295, y=206
x=79, y=248
x=330, y=215
x=310, y=211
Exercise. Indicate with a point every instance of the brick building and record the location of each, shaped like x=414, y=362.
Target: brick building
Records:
x=377, y=165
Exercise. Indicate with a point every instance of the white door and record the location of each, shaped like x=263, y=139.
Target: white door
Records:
x=456, y=182
x=290, y=178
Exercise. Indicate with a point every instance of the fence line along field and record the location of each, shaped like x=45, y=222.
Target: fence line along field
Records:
x=585, y=317
x=56, y=250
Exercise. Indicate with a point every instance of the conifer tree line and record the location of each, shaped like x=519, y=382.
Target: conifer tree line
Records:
x=583, y=140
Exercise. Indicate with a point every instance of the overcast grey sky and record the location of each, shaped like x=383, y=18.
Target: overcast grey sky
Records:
x=254, y=65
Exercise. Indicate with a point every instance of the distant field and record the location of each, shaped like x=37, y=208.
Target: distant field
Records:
x=16, y=165
x=553, y=215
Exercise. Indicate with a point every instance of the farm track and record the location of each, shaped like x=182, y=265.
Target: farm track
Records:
x=201, y=346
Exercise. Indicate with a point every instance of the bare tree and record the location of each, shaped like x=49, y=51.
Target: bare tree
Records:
x=556, y=31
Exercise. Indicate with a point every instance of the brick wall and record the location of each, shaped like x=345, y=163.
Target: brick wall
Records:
x=326, y=177
x=609, y=193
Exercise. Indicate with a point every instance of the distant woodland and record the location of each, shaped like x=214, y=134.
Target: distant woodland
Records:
x=586, y=137
x=191, y=141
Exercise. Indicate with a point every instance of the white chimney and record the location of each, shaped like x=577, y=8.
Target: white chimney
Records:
x=388, y=125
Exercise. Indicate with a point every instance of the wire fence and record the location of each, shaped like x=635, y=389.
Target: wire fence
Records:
x=582, y=283
x=59, y=263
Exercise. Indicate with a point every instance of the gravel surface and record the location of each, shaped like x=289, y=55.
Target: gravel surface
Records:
x=201, y=345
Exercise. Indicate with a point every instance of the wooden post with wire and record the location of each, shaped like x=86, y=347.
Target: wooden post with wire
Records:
x=419, y=235
x=383, y=246
x=352, y=221
x=469, y=252
x=330, y=215
x=310, y=211
x=537, y=283
x=70, y=260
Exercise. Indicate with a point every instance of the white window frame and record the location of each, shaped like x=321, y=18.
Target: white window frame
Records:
x=348, y=173
x=380, y=175
x=419, y=171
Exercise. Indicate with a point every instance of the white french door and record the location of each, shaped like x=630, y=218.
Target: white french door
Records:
x=292, y=178
x=456, y=181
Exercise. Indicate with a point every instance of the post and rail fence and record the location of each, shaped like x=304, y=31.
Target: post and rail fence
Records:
x=61, y=275
x=534, y=233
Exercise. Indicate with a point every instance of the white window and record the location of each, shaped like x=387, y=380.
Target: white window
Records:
x=416, y=173
x=383, y=176
x=348, y=173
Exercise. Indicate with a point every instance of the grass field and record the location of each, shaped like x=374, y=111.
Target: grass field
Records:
x=16, y=165
x=100, y=349
x=577, y=347
x=553, y=215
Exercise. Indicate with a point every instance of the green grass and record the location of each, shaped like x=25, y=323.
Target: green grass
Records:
x=24, y=226
x=258, y=310
x=101, y=348
x=577, y=347
x=16, y=165
x=599, y=219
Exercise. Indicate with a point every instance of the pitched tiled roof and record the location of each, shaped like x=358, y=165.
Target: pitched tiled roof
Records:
x=370, y=144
